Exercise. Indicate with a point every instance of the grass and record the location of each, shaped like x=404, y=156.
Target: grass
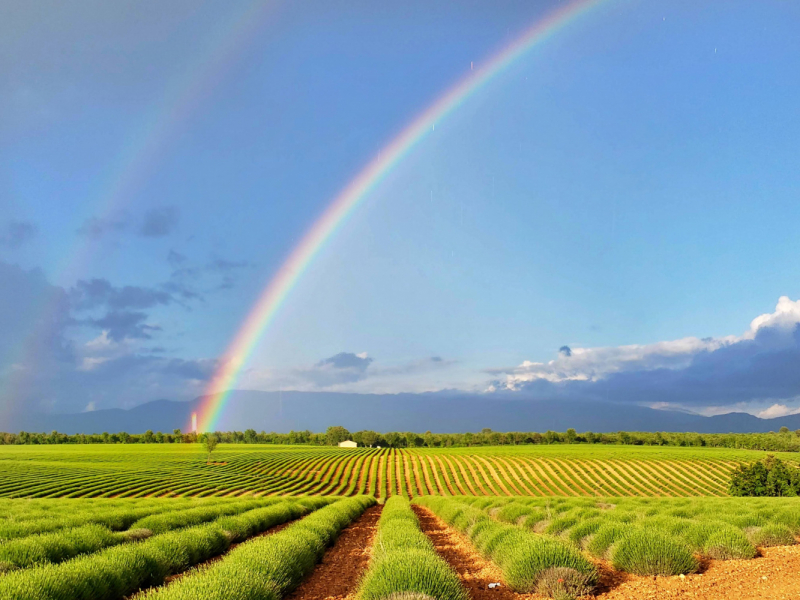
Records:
x=404, y=560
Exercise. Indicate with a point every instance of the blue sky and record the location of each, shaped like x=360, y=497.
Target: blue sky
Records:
x=630, y=183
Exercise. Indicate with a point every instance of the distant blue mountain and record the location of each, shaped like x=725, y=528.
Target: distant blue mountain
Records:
x=438, y=412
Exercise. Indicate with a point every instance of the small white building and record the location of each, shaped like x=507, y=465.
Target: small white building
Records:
x=348, y=444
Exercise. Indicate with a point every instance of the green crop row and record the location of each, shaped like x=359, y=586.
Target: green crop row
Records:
x=404, y=560
x=56, y=547
x=268, y=567
x=541, y=470
x=63, y=544
x=122, y=570
x=116, y=518
x=529, y=562
x=160, y=523
x=654, y=536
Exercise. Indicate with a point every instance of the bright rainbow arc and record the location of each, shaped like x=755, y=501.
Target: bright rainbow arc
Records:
x=279, y=287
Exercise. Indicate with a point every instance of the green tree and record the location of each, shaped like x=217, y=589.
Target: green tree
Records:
x=768, y=477
x=336, y=434
x=551, y=437
x=369, y=438
x=209, y=445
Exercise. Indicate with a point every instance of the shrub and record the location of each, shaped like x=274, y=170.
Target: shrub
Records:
x=728, y=543
x=194, y=516
x=513, y=511
x=122, y=570
x=563, y=583
x=652, y=553
x=408, y=596
x=268, y=567
x=404, y=560
x=577, y=534
x=56, y=547
x=522, y=556
x=604, y=538
x=773, y=534
x=559, y=524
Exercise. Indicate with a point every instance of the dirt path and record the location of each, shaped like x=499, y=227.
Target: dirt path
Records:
x=475, y=572
x=337, y=576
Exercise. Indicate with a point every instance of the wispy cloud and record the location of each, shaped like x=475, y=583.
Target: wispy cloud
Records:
x=17, y=233
x=355, y=372
x=43, y=366
x=154, y=223
x=159, y=222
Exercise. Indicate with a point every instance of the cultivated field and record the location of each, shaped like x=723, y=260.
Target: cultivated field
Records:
x=156, y=522
x=158, y=470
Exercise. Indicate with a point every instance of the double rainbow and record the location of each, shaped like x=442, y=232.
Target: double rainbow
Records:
x=279, y=287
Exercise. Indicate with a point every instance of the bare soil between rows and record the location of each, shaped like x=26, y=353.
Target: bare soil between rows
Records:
x=775, y=575
x=338, y=575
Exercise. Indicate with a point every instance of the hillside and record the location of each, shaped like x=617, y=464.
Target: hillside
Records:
x=440, y=412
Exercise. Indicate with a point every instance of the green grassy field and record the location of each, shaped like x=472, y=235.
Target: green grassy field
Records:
x=180, y=470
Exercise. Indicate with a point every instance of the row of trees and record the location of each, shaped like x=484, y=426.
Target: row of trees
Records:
x=782, y=441
x=768, y=477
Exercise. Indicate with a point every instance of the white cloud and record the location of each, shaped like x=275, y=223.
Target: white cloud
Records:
x=428, y=374
x=593, y=364
x=777, y=410
x=590, y=364
x=786, y=315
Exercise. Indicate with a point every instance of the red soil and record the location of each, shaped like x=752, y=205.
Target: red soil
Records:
x=773, y=576
x=339, y=573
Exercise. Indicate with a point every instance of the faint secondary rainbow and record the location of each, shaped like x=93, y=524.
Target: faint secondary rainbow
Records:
x=282, y=283
x=144, y=151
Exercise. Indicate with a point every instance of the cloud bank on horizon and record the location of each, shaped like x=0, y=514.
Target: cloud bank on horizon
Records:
x=96, y=350
x=760, y=367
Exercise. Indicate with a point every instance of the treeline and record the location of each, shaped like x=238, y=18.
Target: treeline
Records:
x=781, y=441
x=768, y=477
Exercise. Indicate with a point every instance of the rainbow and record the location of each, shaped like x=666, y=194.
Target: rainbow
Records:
x=143, y=151
x=282, y=283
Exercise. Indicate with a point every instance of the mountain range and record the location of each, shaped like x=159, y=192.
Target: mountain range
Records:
x=441, y=412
